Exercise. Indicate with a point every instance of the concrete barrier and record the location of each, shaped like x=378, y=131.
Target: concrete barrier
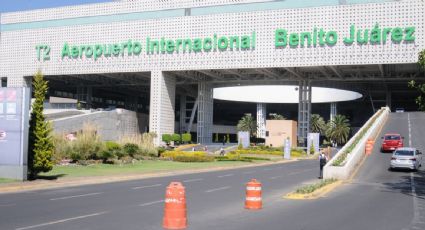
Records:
x=347, y=167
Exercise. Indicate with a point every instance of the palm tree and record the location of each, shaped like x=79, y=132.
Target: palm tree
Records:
x=247, y=123
x=338, y=129
x=276, y=116
x=318, y=124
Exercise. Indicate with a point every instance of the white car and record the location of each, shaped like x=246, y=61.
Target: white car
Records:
x=399, y=110
x=407, y=158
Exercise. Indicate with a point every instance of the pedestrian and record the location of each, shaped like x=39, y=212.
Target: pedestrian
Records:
x=322, y=161
x=221, y=151
x=193, y=149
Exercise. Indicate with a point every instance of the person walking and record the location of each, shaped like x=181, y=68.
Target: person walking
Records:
x=322, y=161
x=221, y=151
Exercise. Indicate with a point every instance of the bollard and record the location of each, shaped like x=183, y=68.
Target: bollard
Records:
x=253, y=198
x=175, y=207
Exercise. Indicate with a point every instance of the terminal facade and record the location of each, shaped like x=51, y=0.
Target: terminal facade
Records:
x=155, y=52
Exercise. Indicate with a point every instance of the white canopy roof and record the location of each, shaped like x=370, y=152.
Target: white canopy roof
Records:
x=281, y=94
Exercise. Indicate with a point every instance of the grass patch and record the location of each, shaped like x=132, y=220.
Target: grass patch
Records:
x=141, y=167
x=313, y=187
x=5, y=180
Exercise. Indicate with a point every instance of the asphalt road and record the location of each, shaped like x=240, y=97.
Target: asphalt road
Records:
x=139, y=204
x=376, y=199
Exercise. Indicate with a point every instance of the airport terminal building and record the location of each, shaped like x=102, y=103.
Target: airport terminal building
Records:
x=165, y=57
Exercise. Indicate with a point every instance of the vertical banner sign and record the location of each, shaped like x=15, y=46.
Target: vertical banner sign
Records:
x=287, y=149
x=243, y=138
x=14, y=113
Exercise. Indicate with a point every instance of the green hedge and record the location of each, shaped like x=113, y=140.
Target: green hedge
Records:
x=181, y=156
x=341, y=158
x=313, y=187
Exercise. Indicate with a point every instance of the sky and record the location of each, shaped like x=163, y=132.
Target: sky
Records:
x=18, y=5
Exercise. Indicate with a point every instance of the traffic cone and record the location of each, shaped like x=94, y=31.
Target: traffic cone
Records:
x=175, y=207
x=253, y=198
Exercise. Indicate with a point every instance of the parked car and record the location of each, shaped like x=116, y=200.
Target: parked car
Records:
x=408, y=158
x=391, y=141
x=399, y=110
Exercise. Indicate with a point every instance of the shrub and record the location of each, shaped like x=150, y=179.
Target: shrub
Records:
x=166, y=138
x=240, y=146
x=311, y=188
x=181, y=156
x=143, y=141
x=131, y=149
x=312, y=150
x=87, y=143
x=176, y=138
x=186, y=137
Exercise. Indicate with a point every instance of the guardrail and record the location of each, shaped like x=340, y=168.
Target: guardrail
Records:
x=342, y=168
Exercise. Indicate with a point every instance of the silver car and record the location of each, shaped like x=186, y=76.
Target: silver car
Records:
x=408, y=158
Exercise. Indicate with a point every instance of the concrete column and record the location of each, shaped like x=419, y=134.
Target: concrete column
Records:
x=333, y=111
x=261, y=120
x=162, y=104
x=89, y=97
x=304, y=111
x=205, y=112
x=183, y=119
x=388, y=98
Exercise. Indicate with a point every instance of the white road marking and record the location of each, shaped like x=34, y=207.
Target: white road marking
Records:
x=193, y=180
x=150, y=203
x=275, y=177
x=302, y=171
x=249, y=172
x=410, y=130
x=147, y=186
x=416, y=210
x=76, y=196
x=225, y=175
x=7, y=205
x=61, y=221
x=217, y=189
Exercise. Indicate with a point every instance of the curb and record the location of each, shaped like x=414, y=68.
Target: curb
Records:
x=41, y=185
x=321, y=192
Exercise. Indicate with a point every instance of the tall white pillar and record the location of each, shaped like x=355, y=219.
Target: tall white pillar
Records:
x=205, y=112
x=162, y=104
x=333, y=110
x=261, y=120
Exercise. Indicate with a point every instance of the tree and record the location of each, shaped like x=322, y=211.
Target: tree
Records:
x=420, y=100
x=176, y=138
x=227, y=138
x=276, y=116
x=186, y=137
x=166, y=138
x=40, y=146
x=216, y=137
x=318, y=124
x=338, y=129
x=247, y=123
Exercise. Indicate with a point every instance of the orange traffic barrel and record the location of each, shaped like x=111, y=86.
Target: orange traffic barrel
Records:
x=369, y=146
x=253, y=195
x=175, y=207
